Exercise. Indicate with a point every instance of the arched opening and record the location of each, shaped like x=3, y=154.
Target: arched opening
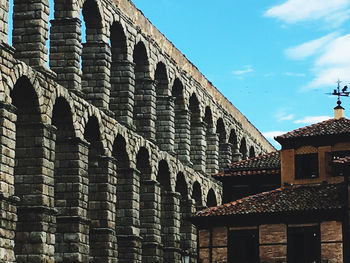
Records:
x=197, y=195
x=27, y=165
x=180, y=122
x=252, y=152
x=167, y=211
x=212, y=143
x=196, y=130
x=143, y=108
x=234, y=146
x=164, y=110
x=122, y=76
x=128, y=201
x=211, y=198
x=93, y=136
x=221, y=131
x=66, y=177
x=95, y=57
x=149, y=215
x=243, y=149
x=93, y=21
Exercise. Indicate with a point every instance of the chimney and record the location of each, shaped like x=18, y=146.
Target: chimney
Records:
x=338, y=111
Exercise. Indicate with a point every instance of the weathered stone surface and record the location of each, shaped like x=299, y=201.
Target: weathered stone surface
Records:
x=92, y=147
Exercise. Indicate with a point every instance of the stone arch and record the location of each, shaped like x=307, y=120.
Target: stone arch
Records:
x=23, y=72
x=92, y=16
x=196, y=134
x=162, y=80
x=243, y=148
x=128, y=201
x=252, y=152
x=95, y=163
x=93, y=113
x=180, y=116
x=95, y=59
x=224, y=154
x=144, y=92
x=169, y=212
x=149, y=197
x=28, y=171
x=66, y=175
x=197, y=195
x=122, y=76
x=211, y=198
x=181, y=186
x=233, y=141
x=164, y=109
x=211, y=139
x=63, y=94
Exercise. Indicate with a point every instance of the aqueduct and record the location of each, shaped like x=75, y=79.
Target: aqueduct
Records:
x=107, y=145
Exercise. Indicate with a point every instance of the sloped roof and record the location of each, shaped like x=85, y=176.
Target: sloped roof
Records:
x=295, y=198
x=264, y=164
x=325, y=128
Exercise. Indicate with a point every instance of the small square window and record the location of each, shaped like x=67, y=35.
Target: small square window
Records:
x=337, y=169
x=306, y=166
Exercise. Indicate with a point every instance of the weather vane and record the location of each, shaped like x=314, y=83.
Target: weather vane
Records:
x=340, y=93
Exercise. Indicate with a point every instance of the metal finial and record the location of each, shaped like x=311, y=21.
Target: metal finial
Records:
x=340, y=93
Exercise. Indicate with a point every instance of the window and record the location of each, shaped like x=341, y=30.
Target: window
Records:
x=334, y=168
x=243, y=246
x=306, y=166
x=304, y=244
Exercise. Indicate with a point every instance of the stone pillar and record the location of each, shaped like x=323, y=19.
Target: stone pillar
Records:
x=225, y=155
x=198, y=145
x=71, y=182
x=8, y=218
x=212, y=152
x=236, y=155
x=182, y=136
x=170, y=223
x=35, y=233
x=30, y=31
x=7, y=144
x=4, y=17
x=65, y=51
x=165, y=129
x=102, y=188
x=150, y=221
x=145, y=109
x=96, y=60
x=122, y=92
x=8, y=202
x=128, y=220
x=188, y=231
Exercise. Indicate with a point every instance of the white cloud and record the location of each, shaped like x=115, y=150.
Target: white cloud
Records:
x=312, y=119
x=293, y=11
x=287, y=117
x=330, y=63
x=283, y=115
x=247, y=69
x=294, y=74
x=309, y=48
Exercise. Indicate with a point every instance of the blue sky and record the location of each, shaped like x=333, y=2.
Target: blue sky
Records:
x=273, y=59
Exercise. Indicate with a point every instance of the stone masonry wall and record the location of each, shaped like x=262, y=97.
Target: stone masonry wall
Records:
x=86, y=175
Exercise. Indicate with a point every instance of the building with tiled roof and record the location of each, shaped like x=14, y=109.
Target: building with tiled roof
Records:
x=303, y=220
x=251, y=176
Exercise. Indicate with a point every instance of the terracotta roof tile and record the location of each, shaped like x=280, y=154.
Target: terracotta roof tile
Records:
x=261, y=165
x=282, y=200
x=328, y=127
